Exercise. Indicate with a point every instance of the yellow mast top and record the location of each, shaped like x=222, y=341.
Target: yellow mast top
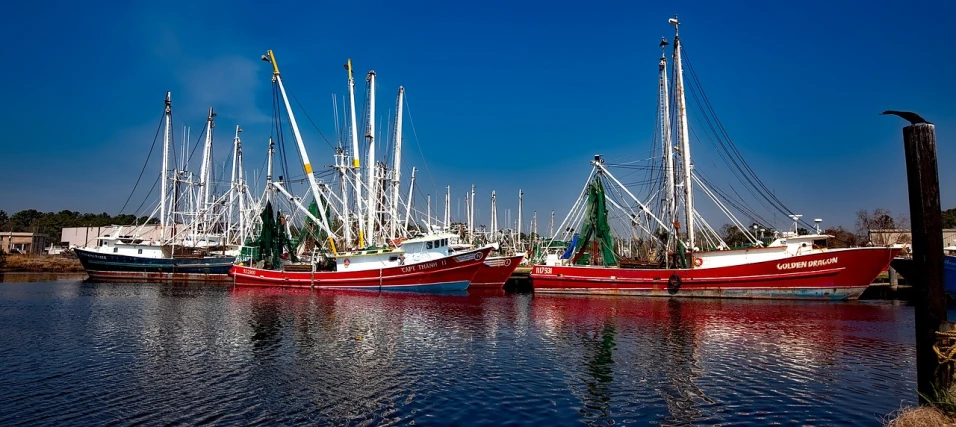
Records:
x=271, y=58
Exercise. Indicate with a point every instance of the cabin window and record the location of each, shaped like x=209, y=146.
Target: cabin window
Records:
x=444, y=242
x=139, y=251
x=115, y=250
x=821, y=243
x=392, y=258
x=428, y=245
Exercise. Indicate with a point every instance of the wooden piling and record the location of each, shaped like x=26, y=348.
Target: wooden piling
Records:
x=929, y=296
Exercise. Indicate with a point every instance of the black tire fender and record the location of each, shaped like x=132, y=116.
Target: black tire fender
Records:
x=673, y=284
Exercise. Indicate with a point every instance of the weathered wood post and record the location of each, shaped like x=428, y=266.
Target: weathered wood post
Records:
x=929, y=296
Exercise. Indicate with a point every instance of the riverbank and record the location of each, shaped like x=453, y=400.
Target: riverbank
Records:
x=34, y=263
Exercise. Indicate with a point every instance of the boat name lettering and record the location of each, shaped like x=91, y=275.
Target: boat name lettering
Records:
x=419, y=267
x=544, y=270
x=806, y=264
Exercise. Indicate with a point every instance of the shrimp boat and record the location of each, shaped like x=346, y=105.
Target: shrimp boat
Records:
x=495, y=271
x=790, y=266
x=130, y=256
x=422, y=262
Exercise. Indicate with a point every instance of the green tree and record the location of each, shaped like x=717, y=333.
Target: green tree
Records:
x=949, y=218
x=842, y=238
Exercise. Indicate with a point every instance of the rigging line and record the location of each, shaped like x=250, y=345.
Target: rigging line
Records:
x=750, y=189
x=313, y=122
x=149, y=194
x=153, y=145
x=733, y=146
x=731, y=160
x=411, y=121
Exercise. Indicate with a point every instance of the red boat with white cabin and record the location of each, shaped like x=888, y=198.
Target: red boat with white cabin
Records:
x=792, y=265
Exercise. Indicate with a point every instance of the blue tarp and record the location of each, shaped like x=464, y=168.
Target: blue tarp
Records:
x=570, y=251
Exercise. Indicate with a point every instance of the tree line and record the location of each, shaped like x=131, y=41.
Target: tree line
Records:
x=53, y=223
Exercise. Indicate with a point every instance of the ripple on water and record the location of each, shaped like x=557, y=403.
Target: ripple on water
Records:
x=89, y=353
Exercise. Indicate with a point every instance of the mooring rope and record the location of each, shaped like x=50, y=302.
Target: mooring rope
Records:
x=945, y=349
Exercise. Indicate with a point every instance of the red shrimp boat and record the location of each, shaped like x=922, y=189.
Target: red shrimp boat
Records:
x=495, y=272
x=452, y=273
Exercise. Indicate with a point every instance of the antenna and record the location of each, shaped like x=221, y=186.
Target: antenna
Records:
x=796, y=219
x=818, y=221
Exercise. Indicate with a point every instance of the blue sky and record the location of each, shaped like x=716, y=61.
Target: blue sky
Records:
x=505, y=95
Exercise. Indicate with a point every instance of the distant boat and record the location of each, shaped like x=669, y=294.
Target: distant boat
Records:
x=128, y=257
x=792, y=266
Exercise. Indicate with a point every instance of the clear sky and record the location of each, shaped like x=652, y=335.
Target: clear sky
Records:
x=502, y=94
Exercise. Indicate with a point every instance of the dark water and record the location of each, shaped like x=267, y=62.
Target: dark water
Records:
x=77, y=353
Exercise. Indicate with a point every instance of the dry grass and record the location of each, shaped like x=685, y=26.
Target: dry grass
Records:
x=923, y=416
x=42, y=263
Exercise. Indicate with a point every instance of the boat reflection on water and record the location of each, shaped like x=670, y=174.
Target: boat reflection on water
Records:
x=707, y=361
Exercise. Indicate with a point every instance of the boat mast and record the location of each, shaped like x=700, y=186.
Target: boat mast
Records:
x=684, y=138
x=397, y=168
x=234, y=185
x=205, y=173
x=494, y=218
x=551, y=231
x=520, y=203
x=241, y=189
x=428, y=213
x=446, y=223
x=471, y=214
x=341, y=165
x=670, y=204
x=408, y=206
x=167, y=117
x=355, y=157
x=370, y=136
x=324, y=222
x=272, y=150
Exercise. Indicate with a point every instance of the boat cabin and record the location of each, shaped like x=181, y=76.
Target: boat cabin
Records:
x=411, y=251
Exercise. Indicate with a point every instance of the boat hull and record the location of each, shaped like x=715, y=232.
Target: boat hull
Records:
x=495, y=272
x=837, y=274
x=118, y=268
x=949, y=274
x=453, y=273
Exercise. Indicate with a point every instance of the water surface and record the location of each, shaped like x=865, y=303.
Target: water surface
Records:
x=82, y=353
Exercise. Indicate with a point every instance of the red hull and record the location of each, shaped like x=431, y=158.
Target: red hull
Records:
x=453, y=273
x=836, y=274
x=495, y=271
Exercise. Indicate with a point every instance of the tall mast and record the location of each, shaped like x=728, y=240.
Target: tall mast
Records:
x=370, y=135
x=551, y=233
x=408, y=205
x=307, y=166
x=242, y=193
x=428, y=213
x=272, y=150
x=494, y=218
x=167, y=117
x=355, y=157
x=341, y=164
x=205, y=173
x=397, y=168
x=234, y=186
x=670, y=204
x=471, y=214
x=684, y=138
x=520, y=203
x=447, y=219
